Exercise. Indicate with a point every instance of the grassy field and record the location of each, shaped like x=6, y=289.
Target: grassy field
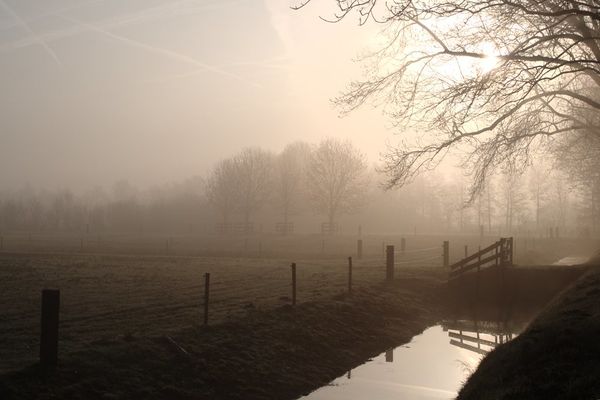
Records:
x=280, y=353
x=545, y=250
x=108, y=296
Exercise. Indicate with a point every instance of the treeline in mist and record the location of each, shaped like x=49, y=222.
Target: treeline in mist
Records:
x=318, y=188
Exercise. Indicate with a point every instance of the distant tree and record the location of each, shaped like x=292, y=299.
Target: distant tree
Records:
x=450, y=201
x=578, y=156
x=490, y=79
x=512, y=197
x=221, y=188
x=253, y=175
x=336, y=178
x=289, y=178
x=559, y=200
x=538, y=187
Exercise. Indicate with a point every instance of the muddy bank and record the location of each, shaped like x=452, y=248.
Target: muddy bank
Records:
x=522, y=286
x=556, y=357
x=278, y=354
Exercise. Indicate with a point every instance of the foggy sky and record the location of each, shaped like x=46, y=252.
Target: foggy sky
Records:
x=153, y=91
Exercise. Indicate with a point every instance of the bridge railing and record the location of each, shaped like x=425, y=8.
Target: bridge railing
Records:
x=499, y=254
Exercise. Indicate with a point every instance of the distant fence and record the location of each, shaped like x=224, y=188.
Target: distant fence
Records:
x=239, y=228
x=255, y=246
x=328, y=229
x=284, y=228
x=497, y=254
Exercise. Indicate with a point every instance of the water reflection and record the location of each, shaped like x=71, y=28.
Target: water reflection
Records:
x=435, y=364
x=476, y=336
x=426, y=368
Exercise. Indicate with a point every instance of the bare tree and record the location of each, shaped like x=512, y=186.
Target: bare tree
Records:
x=512, y=197
x=289, y=180
x=492, y=79
x=252, y=168
x=221, y=188
x=336, y=178
x=578, y=156
x=538, y=187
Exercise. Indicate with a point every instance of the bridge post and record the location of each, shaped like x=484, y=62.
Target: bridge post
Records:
x=446, y=254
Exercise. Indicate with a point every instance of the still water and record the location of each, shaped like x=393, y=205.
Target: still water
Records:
x=572, y=260
x=434, y=365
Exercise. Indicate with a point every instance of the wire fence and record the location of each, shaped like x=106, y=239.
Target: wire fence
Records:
x=126, y=296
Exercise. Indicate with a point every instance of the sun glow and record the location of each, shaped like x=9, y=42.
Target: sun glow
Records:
x=490, y=61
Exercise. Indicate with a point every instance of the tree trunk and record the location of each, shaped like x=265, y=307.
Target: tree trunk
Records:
x=331, y=218
x=285, y=220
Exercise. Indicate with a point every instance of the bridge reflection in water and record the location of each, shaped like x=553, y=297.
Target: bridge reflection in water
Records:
x=478, y=336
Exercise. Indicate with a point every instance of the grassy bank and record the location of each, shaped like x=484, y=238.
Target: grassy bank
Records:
x=274, y=354
x=103, y=297
x=556, y=357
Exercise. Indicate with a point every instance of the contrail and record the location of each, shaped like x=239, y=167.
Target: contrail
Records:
x=168, y=53
x=49, y=13
x=267, y=64
x=172, y=9
x=26, y=26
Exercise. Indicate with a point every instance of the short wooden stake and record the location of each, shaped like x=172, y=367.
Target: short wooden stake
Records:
x=49, y=328
x=293, y=284
x=359, y=249
x=402, y=245
x=389, y=356
x=389, y=263
x=206, y=296
x=349, y=274
x=446, y=254
x=466, y=251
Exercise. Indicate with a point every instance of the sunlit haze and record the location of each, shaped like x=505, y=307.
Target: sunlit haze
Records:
x=157, y=91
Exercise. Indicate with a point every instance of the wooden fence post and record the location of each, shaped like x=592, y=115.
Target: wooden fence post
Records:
x=293, y=284
x=359, y=249
x=466, y=251
x=349, y=274
x=389, y=263
x=49, y=328
x=260, y=249
x=206, y=296
x=446, y=253
x=323, y=246
x=496, y=258
x=402, y=245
